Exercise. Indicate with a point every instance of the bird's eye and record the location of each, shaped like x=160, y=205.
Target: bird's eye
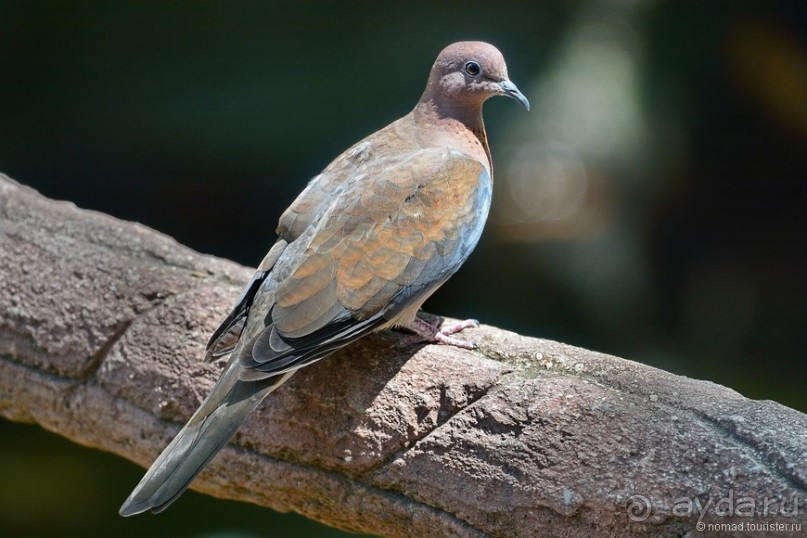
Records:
x=472, y=68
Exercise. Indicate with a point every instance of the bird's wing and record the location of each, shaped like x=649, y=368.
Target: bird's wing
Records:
x=349, y=168
x=380, y=246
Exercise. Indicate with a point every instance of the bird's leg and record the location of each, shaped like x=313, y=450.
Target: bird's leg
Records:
x=433, y=332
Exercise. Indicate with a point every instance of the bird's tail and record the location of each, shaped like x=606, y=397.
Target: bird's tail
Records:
x=208, y=430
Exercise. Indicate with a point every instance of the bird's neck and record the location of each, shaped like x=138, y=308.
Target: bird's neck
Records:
x=454, y=126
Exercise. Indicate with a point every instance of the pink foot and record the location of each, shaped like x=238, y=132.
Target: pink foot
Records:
x=425, y=331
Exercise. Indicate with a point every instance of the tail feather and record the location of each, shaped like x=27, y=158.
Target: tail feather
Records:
x=208, y=430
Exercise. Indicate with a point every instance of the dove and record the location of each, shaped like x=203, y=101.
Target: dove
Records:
x=359, y=250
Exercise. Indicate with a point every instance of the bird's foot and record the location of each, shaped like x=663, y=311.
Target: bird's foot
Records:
x=433, y=332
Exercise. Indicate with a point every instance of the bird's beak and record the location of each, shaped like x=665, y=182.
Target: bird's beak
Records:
x=510, y=90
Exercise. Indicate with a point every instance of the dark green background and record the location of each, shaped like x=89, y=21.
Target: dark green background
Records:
x=205, y=119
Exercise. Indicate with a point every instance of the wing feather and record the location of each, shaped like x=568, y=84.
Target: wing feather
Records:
x=373, y=252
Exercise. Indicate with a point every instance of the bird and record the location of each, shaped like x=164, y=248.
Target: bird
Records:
x=360, y=249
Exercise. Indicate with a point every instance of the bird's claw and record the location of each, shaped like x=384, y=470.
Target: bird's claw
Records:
x=428, y=332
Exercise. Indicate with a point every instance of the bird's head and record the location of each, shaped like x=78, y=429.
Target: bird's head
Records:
x=468, y=73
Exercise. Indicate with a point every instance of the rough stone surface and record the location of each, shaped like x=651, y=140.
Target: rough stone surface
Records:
x=103, y=326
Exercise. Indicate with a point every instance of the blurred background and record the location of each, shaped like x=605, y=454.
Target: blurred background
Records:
x=649, y=206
